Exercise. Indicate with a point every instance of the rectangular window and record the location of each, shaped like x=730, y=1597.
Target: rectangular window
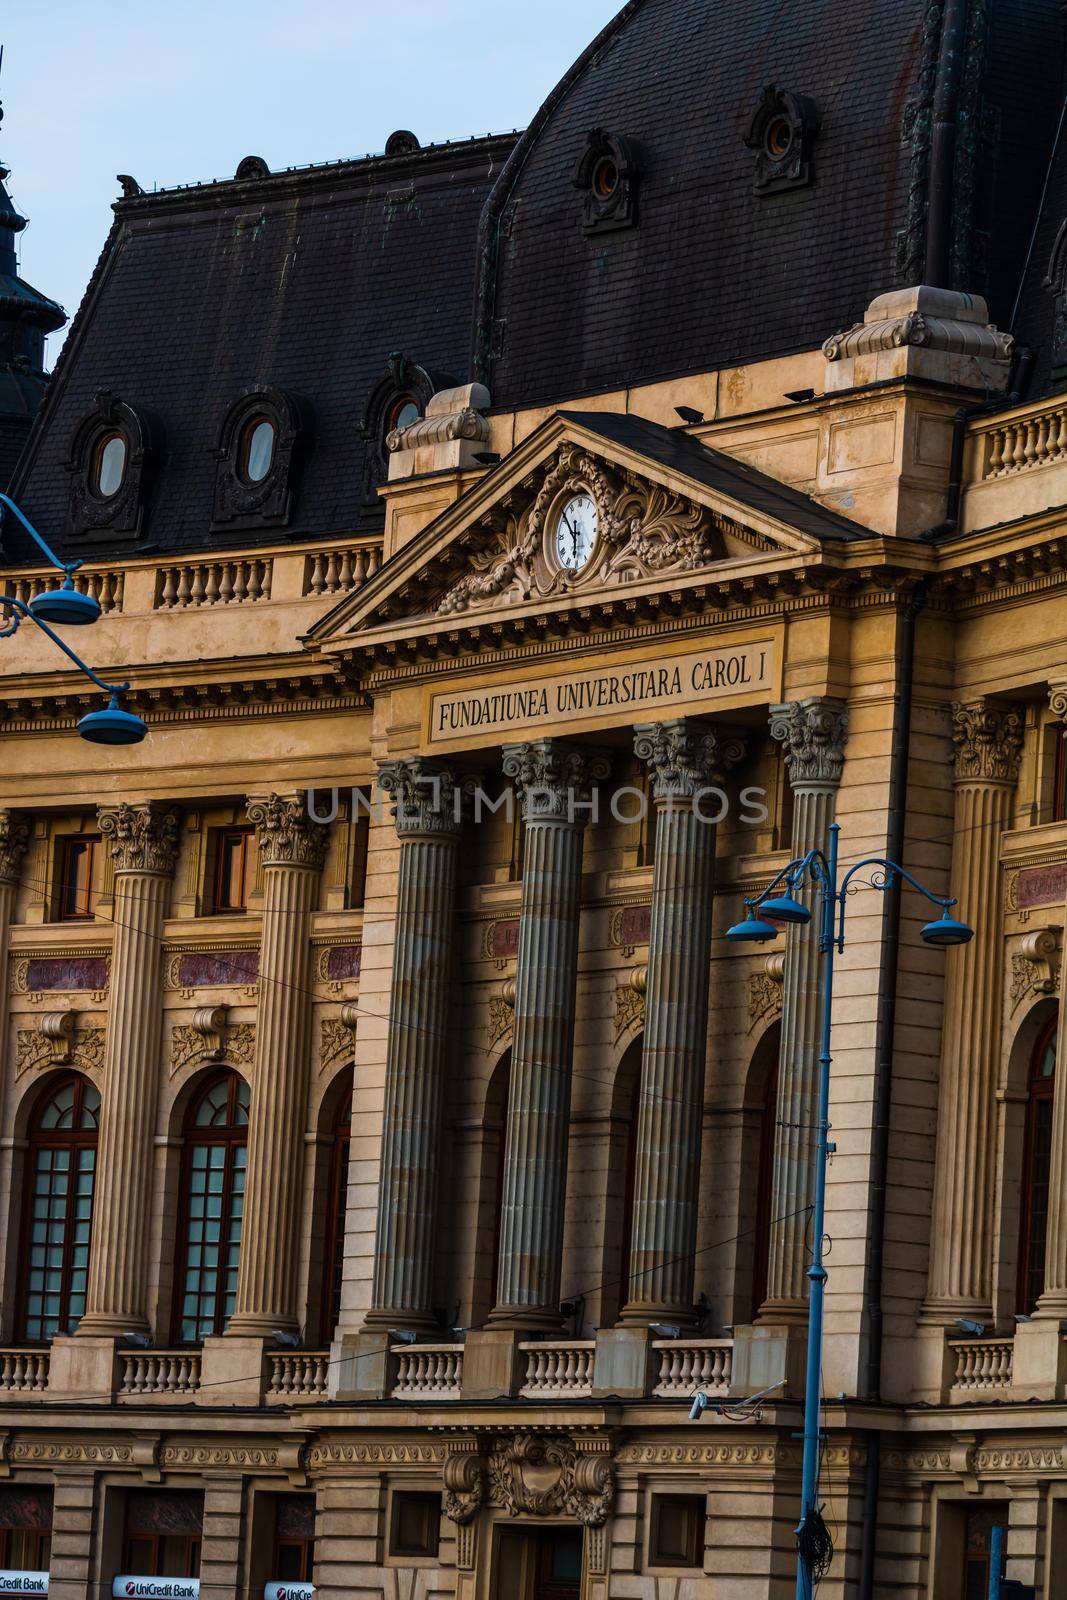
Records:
x=235, y=869
x=25, y=1529
x=678, y=1527
x=1059, y=775
x=163, y=1533
x=80, y=865
x=360, y=853
x=294, y=1538
x=416, y=1525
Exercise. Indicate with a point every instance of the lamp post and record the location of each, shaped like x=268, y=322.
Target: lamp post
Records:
x=814, y=1550
x=67, y=605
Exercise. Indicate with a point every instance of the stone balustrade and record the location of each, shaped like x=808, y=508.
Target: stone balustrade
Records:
x=1025, y=442
x=558, y=1369
x=1015, y=463
x=300, y=1375
x=982, y=1366
x=159, y=1372
x=686, y=1365
x=434, y=1370
x=23, y=1372
x=340, y=571
x=213, y=583
x=105, y=587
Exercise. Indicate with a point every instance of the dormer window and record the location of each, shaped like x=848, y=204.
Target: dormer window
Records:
x=257, y=449
x=402, y=413
x=782, y=133
x=109, y=467
x=112, y=456
x=261, y=446
x=607, y=173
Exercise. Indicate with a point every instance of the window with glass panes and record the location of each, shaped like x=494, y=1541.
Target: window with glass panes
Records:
x=213, y=1186
x=1037, y=1160
x=335, y=1221
x=294, y=1538
x=163, y=1534
x=25, y=1529
x=60, y=1171
x=80, y=863
x=235, y=868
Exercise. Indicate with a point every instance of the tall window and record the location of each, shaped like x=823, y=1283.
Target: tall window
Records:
x=630, y=1069
x=335, y=1223
x=294, y=1537
x=761, y=1242
x=80, y=864
x=1059, y=775
x=213, y=1186
x=1037, y=1151
x=25, y=1529
x=163, y=1534
x=61, y=1165
x=235, y=868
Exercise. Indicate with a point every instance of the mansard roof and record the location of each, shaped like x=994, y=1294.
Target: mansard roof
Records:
x=715, y=256
x=304, y=282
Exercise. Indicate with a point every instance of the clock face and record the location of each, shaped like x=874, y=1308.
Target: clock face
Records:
x=576, y=532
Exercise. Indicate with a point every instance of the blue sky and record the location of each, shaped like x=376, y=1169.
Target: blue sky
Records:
x=175, y=93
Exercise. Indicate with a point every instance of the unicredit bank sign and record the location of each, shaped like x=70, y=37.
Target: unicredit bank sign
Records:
x=288, y=1591
x=127, y=1588
x=23, y=1582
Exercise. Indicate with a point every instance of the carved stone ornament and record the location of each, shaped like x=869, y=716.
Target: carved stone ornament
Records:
x=285, y=834
x=464, y=1477
x=643, y=531
x=630, y=1002
x=935, y=319
x=1057, y=693
x=765, y=989
x=988, y=739
x=14, y=837
x=1035, y=965
x=142, y=838
x=554, y=780
x=501, y=1014
x=546, y=1476
x=451, y=415
x=210, y=1040
x=337, y=1037
x=427, y=797
x=813, y=733
x=58, y=1042
x=685, y=756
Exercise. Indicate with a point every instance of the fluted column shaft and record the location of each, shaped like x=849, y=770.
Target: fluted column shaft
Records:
x=291, y=851
x=686, y=759
x=142, y=840
x=1053, y=1301
x=988, y=741
x=553, y=780
x=428, y=824
x=813, y=733
x=14, y=837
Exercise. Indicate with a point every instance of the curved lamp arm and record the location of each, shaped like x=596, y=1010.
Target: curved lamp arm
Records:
x=814, y=863
x=891, y=872
x=9, y=603
x=63, y=566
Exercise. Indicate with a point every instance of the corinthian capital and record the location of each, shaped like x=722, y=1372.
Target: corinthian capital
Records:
x=285, y=834
x=1057, y=699
x=989, y=739
x=142, y=837
x=814, y=734
x=14, y=837
x=426, y=797
x=685, y=756
x=555, y=780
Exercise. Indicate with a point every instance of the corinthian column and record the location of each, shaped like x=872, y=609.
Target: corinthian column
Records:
x=143, y=843
x=291, y=853
x=813, y=733
x=686, y=759
x=1053, y=1301
x=988, y=738
x=428, y=824
x=554, y=781
x=14, y=837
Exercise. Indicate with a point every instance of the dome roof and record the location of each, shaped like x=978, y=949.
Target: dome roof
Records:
x=769, y=171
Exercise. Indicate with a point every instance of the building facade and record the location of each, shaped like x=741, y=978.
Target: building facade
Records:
x=392, y=1143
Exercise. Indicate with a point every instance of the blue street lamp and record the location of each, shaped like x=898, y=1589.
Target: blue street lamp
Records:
x=813, y=1541
x=66, y=606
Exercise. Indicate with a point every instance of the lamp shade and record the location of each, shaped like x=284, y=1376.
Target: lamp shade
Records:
x=947, y=930
x=112, y=725
x=65, y=607
x=752, y=930
x=783, y=908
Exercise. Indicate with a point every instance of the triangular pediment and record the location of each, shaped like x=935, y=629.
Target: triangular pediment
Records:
x=668, y=511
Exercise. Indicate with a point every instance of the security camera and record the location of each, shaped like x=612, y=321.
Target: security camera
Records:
x=699, y=1406
x=286, y=1338
x=141, y=1340
x=402, y=1336
x=666, y=1330
x=967, y=1325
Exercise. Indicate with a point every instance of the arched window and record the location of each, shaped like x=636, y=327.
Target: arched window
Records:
x=213, y=1187
x=337, y=1200
x=761, y=1242
x=1037, y=1148
x=630, y=1093
x=61, y=1167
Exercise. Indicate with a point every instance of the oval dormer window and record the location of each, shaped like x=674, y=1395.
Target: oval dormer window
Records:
x=110, y=465
x=257, y=453
x=403, y=413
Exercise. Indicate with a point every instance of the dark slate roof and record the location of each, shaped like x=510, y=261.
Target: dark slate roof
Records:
x=1038, y=293
x=305, y=280
x=673, y=448
x=715, y=274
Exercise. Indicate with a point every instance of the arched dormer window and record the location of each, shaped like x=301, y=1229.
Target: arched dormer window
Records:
x=112, y=456
x=336, y=1210
x=399, y=398
x=214, y=1161
x=262, y=444
x=58, y=1212
x=607, y=173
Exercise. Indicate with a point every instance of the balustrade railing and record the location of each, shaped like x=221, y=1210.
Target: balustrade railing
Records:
x=103, y=587
x=1025, y=442
x=982, y=1364
x=213, y=583
x=340, y=571
x=167, y=1372
x=558, y=1368
x=434, y=1370
x=686, y=1365
x=23, y=1371
x=298, y=1375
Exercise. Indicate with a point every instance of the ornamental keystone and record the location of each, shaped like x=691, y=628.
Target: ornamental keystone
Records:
x=554, y=779
x=988, y=738
x=814, y=733
x=142, y=837
x=686, y=757
x=14, y=837
x=285, y=834
x=427, y=799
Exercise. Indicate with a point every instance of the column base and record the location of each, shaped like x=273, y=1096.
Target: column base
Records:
x=233, y=1371
x=83, y=1368
x=624, y=1364
x=492, y=1365
x=401, y=1322
x=103, y=1325
x=764, y=1355
x=252, y=1325
x=525, y=1319
x=943, y=1312
x=1039, y=1360
x=783, y=1313
x=640, y=1315
x=362, y=1366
